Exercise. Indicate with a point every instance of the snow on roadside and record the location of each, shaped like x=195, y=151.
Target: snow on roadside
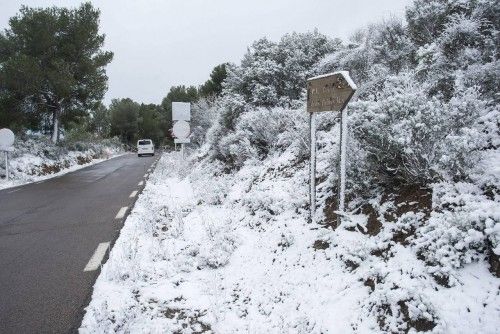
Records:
x=204, y=251
x=37, y=163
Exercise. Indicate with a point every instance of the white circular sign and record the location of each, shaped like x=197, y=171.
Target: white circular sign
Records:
x=181, y=129
x=6, y=138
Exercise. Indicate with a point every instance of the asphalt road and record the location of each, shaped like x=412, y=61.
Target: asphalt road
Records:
x=48, y=233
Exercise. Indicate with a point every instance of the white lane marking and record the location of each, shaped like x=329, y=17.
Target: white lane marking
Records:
x=13, y=191
x=133, y=194
x=96, y=259
x=121, y=213
x=141, y=183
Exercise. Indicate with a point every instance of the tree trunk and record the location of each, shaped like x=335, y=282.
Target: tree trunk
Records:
x=55, y=126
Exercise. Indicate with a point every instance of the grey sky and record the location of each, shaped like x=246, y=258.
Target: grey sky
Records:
x=158, y=44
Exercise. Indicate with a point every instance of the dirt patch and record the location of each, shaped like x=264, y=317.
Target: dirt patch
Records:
x=49, y=169
x=83, y=159
x=351, y=265
x=494, y=261
x=412, y=197
x=329, y=212
x=321, y=245
x=373, y=225
x=188, y=319
x=420, y=324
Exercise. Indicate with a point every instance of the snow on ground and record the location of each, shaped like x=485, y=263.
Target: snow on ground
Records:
x=204, y=251
x=37, y=160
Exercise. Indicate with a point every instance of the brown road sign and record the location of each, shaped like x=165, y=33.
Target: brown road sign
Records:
x=329, y=92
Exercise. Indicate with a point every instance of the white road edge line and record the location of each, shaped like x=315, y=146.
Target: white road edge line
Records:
x=133, y=194
x=121, y=213
x=96, y=259
x=141, y=183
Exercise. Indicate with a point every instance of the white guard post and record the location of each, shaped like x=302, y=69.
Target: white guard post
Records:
x=6, y=142
x=7, y=165
x=329, y=92
x=342, y=161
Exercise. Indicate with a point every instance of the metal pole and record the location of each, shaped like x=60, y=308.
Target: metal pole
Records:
x=312, y=182
x=342, y=163
x=182, y=151
x=7, y=165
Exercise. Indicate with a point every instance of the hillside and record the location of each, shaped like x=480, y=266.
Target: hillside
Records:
x=221, y=242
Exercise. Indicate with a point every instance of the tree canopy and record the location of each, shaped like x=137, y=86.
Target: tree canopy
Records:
x=51, y=64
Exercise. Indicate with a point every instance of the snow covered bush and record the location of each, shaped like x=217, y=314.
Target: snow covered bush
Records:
x=412, y=138
x=203, y=115
x=461, y=229
x=273, y=74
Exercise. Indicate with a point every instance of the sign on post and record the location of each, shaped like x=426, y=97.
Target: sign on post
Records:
x=181, y=115
x=6, y=142
x=181, y=111
x=329, y=92
x=181, y=130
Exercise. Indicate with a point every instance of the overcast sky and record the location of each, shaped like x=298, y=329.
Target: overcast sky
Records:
x=158, y=44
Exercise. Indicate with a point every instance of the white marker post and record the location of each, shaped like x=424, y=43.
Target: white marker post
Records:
x=342, y=160
x=312, y=166
x=329, y=92
x=6, y=142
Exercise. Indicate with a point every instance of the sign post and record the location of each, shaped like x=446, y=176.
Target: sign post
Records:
x=6, y=142
x=181, y=115
x=312, y=166
x=329, y=92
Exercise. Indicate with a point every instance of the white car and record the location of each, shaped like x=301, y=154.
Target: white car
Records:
x=145, y=146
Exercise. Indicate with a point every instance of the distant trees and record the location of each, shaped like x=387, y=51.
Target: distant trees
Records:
x=52, y=66
x=100, y=121
x=124, y=119
x=130, y=121
x=152, y=123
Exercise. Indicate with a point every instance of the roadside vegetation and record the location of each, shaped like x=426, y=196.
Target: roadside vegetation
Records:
x=52, y=83
x=231, y=248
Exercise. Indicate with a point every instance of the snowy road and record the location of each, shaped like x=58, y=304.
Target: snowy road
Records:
x=50, y=232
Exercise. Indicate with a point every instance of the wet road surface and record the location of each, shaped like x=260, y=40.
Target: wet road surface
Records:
x=49, y=231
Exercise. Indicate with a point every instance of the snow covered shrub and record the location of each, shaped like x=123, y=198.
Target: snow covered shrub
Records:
x=231, y=107
x=461, y=227
x=453, y=38
x=412, y=138
x=257, y=133
x=203, y=115
x=372, y=54
x=273, y=74
x=399, y=311
x=270, y=129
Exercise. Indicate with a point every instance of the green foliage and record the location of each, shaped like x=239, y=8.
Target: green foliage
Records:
x=125, y=120
x=152, y=123
x=131, y=121
x=100, y=121
x=51, y=64
x=213, y=86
